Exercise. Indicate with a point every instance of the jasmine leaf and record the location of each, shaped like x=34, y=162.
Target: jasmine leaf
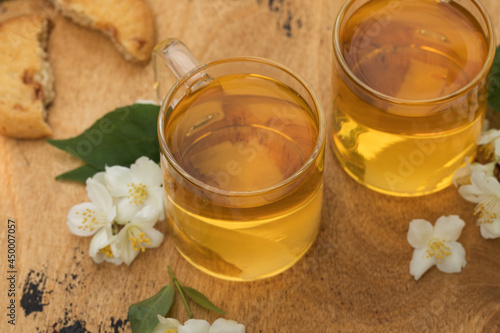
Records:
x=494, y=92
x=143, y=315
x=79, y=174
x=201, y=299
x=118, y=138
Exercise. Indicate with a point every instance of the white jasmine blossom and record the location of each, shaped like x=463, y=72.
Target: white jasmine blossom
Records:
x=100, y=177
x=138, y=235
x=166, y=325
x=221, y=325
x=490, y=229
x=125, y=204
x=87, y=218
x=491, y=140
x=194, y=326
x=135, y=188
x=102, y=248
x=484, y=190
x=462, y=176
x=436, y=245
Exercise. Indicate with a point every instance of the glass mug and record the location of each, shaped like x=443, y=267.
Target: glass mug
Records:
x=242, y=153
x=410, y=85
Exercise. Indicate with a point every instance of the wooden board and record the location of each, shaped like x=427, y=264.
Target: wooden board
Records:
x=354, y=279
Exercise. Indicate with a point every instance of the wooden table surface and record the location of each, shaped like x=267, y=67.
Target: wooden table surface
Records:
x=354, y=279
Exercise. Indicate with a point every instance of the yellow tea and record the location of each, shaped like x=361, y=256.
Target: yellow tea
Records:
x=393, y=130
x=241, y=134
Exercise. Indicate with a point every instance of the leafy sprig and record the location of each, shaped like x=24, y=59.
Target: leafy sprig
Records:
x=118, y=138
x=494, y=92
x=143, y=315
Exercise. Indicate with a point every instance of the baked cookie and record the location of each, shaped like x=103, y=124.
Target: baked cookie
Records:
x=128, y=23
x=26, y=81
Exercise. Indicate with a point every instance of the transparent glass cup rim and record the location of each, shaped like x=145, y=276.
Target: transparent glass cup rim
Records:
x=311, y=160
x=484, y=70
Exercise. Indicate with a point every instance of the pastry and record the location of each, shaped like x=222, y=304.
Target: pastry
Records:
x=26, y=80
x=128, y=23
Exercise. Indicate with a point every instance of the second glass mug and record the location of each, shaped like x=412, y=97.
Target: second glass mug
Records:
x=242, y=153
x=410, y=86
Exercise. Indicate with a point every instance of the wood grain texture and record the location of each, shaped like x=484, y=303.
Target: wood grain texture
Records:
x=354, y=279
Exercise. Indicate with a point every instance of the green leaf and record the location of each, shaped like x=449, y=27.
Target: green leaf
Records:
x=494, y=92
x=118, y=138
x=79, y=174
x=143, y=315
x=201, y=299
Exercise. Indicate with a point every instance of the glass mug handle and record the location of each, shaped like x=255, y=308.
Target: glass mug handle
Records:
x=176, y=56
